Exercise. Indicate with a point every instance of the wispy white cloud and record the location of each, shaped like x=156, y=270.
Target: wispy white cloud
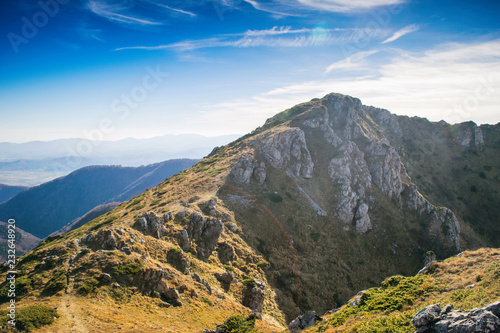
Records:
x=276, y=12
x=170, y=9
x=274, y=37
x=400, y=33
x=347, y=5
x=117, y=13
x=455, y=82
x=355, y=61
x=274, y=31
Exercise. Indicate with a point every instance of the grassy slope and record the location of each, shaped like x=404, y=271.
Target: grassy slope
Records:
x=85, y=303
x=468, y=281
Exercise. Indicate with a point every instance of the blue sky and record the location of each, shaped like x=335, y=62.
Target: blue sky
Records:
x=141, y=68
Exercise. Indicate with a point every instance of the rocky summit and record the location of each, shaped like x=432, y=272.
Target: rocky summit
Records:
x=325, y=199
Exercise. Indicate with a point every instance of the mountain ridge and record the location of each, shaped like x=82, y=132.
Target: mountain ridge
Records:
x=48, y=207
x=317, y=205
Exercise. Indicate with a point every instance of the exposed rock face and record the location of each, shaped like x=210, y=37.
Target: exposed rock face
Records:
x=153, y=224
x=363, y=223
x=226, y=252
x=433, y=319
x=259, y=173
x=357, y=298
x=203, y=282
x=385, y=168
x=351, y=172
x=112, y=239
x=205, y=232
x=242, y=170
x=471, y=134
x=254, y=296
x=246, y=169
x=442, y=220
x=209, y=207
x=304, y=321
x=288, y=150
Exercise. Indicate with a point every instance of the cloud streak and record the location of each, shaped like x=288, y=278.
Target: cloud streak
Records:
x=352, y=62
x=400, y=33
x=274, y=37
x=347, y=5
x=117, y=14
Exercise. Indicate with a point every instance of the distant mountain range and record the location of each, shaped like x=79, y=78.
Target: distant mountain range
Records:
x=25, y=241
x=36, y=162
x=44, y=209
x=8, y=191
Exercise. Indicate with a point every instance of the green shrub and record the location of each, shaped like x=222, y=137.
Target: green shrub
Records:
x=275, y=197
x=315, y=236
x=130, y=268
x=88, y=286
x=238, y=324
x=134, y=202
x=56, y=283
x=262, y=264
x=249, y=281
x=23, y=286
x=228, y=268
x=206, y=300
x=395, y=292
x=30, y=317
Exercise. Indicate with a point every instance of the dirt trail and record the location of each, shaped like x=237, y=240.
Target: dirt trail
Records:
x=68, y=310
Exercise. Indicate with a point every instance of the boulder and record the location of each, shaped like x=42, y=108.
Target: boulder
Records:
x=225, y=252
x=433, y=319
x=304, y=321
x=254, y=296
x=205, y=232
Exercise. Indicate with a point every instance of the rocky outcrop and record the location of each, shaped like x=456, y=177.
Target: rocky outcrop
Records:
x=303, y=321
x=254, y=296
x=203, y=282
x=362, y=219
x=385, y=168
x=209, y=207
x=443, y=222
x=225, y=253
x=242, y=170
x=246, y=169
x=113, y=239
x=260, y=174
x=288, y=150
x=205, y=232
x=350, y=171
x=153, y=224
x=433, y=319
x=470, y=134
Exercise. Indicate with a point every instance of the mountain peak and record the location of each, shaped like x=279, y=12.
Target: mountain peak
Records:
x=329, y=190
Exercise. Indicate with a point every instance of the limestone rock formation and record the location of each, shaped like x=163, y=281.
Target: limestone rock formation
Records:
x=434, y=319
x=254, y=296
x=242, y=171
x=205, y=232
x=306, y=320
x=288, y=150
